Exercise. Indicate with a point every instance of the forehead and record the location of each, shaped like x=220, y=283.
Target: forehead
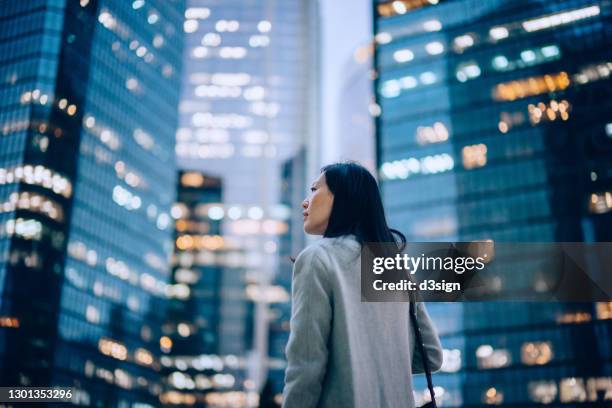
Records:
x=320, y=180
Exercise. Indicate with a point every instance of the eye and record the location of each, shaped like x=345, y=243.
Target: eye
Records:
x=312, y=189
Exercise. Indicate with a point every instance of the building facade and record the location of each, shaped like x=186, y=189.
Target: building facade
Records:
x=90, y=91
x=245, y=109
x=495, y=124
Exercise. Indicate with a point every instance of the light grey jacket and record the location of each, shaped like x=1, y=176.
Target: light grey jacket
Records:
x=345, y=353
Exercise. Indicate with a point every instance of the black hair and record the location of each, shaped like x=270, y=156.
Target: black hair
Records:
x=357, y=208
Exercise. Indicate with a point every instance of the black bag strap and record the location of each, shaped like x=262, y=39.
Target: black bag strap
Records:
x=419, y=341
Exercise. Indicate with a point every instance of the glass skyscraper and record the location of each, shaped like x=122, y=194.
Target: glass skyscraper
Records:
x=244, y=110
x=495, y=124
x=88, y=112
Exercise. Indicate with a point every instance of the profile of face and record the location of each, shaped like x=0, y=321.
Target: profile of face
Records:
x=317, y=207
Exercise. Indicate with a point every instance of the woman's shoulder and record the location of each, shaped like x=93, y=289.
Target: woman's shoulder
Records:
x=324, y=249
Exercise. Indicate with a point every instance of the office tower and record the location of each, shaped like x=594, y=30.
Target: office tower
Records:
x=191, y=364
x=494, y=125
x=293, y=188
x=88, y=116
x=245, y=109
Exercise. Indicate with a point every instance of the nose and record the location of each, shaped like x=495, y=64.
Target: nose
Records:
x=305, y=204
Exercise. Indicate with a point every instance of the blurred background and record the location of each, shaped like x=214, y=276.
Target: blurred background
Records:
x=154, y=155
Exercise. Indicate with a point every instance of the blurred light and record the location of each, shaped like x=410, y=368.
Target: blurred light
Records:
x=521, y=88
x=153, y=18
x=390, y=88
x=8, y=321
x=233, y=25
x=92, y=314
x=383, y=38
x=230, y=79
x=550, y=51
x=259, y=41
x=158, y=41
x=474, y=156
x=408, y=82
x=112, y=348
x=254, y=93
x=165, y=344
x=464, y=41
x=427, y=78
x=600, y=203
x=468, y=70
x=403, y=55
x=528, y=56
x=499, y=33
x=536, y=353
x=432, y=25
x=143, y=356
x=399, y=7
x=434, y=48
x=431, y=134
x=183, y=329
x=197, y=13
x=500, y=62
x=558, y=19
x=255, y=213
x=137, y=4
x=211, y=39
x=264, y=26
x=199, y=52
x=402, y=169
x=131, y=84
x=190, y=26
x=232, y=52
x=493, y=397
x=609, y=129
x=234, y=213
x=215, y=213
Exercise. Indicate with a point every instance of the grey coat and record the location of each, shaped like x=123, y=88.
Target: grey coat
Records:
x=345, y=353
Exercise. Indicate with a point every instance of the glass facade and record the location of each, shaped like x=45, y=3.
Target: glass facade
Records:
x=243, y=112
x=494, y=124
x=89, y=112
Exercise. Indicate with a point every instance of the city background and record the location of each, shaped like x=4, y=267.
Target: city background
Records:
x=154, y=155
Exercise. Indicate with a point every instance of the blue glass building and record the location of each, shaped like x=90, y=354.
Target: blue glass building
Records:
x=495, y=124
x=88, y=112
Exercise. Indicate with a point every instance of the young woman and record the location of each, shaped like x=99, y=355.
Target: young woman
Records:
x=342, y=352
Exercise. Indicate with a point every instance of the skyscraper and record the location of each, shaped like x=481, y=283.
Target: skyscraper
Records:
x=495, y=125
x=244, y=110
x=87, y=174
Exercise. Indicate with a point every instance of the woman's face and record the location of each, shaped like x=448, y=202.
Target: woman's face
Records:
x=317, y=207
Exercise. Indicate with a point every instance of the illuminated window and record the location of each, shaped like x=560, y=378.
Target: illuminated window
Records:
x=463, y=41
x=600, y=203
x=493, y=396
x=543, y=392
x=403, y=55
x=522, y=88
x=536, y=353
x=488, y=357
x=554, y=20
x=474, y=156
x=431, y=134
x=451, y=361
x=572, y=390
x=604, y=310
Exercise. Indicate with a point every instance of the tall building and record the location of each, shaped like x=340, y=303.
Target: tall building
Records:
x=291, y=243
x=245, y=108
x=192, y=365
x=87, y=178
x=495, y=124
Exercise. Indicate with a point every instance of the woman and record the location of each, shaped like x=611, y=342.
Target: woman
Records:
x=342, y=352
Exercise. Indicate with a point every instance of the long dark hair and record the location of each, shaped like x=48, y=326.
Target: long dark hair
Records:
x=357, y=207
